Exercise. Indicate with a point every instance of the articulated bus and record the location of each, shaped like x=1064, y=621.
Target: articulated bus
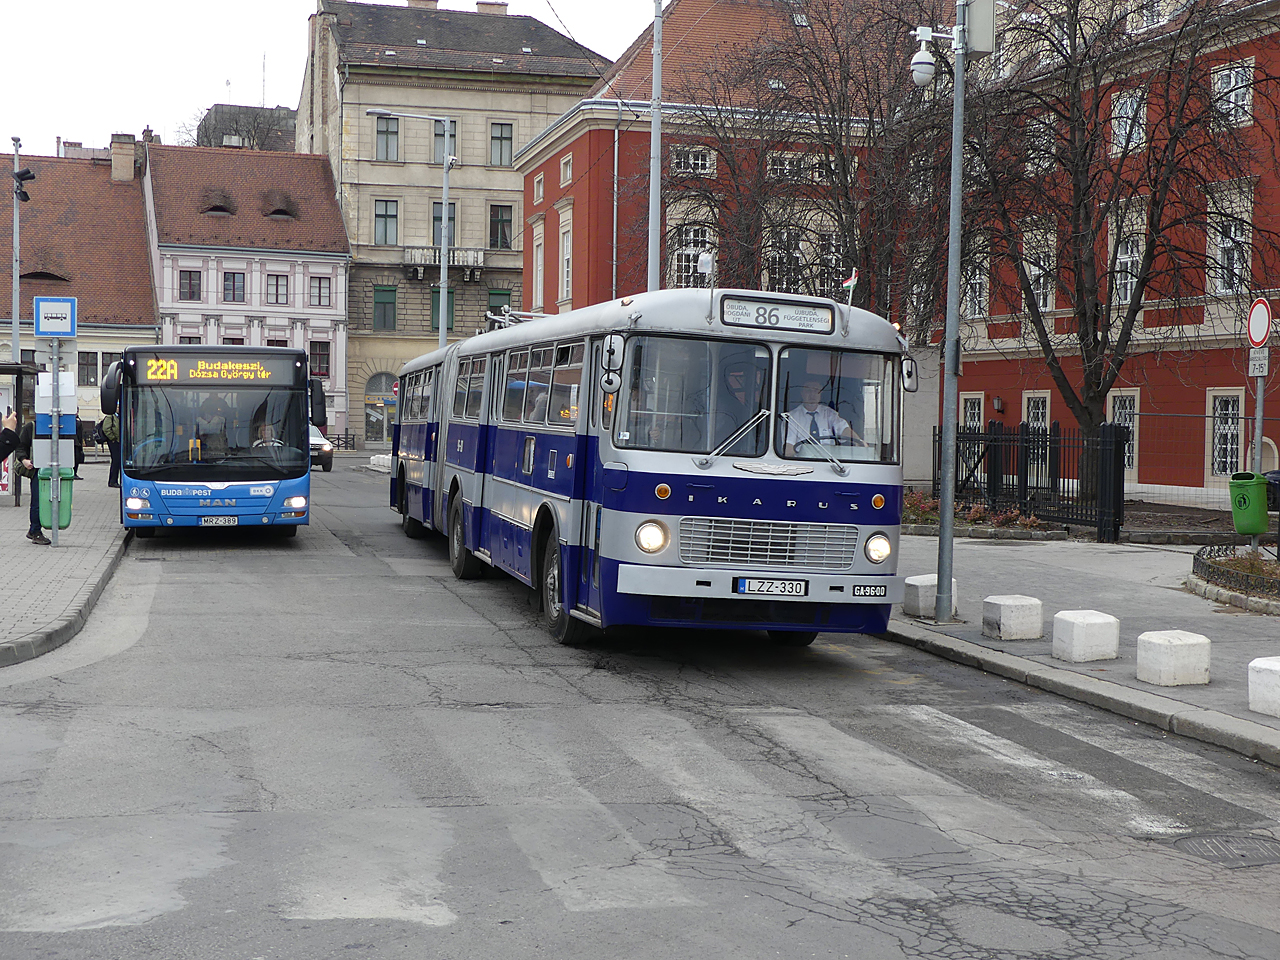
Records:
x=691, y=458
x=213, y=436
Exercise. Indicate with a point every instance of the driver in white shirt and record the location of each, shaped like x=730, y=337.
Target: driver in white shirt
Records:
x=813, y=418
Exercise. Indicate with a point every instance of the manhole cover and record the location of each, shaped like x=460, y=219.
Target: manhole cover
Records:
x=1232, y=851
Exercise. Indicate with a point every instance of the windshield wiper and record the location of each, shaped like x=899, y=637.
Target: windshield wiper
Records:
x=705, y=463
x=836, y=465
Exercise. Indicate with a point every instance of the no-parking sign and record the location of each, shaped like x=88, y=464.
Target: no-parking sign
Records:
x=1259, y=322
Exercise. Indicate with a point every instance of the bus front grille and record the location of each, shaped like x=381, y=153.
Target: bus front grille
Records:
x=763, y=543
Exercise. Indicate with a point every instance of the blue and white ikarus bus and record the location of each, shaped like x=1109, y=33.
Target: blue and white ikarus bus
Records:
x=690, y=458
x=214, y=436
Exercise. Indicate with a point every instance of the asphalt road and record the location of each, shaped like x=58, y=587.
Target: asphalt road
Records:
x=327, y=747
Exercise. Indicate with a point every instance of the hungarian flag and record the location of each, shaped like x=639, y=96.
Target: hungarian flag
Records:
x=852, y=281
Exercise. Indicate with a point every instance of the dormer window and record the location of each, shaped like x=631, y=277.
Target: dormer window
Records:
x=217, y=210
x=215, y=202
x=44, y=275
x=280, y=214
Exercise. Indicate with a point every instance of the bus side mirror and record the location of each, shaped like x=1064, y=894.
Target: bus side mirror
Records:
x=610, y=382
x=910, y=375
x=611, y=355
x=319, y=416
x=109, y=391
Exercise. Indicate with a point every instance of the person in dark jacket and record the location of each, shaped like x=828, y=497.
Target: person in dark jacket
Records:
x=8, y=435
x=26, y=468
x=111, y=433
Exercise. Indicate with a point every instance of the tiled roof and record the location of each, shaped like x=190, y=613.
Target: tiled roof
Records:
x=246, y=187
x=90, y=231
x=694, y=33
x=457, y=40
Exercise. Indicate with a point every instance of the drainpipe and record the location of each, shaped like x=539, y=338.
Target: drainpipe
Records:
x=617, y=128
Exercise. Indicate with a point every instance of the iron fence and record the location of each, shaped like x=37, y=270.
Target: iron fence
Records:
x=1057, y=475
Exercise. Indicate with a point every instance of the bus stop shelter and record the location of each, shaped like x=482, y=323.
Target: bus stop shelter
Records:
x=21, y=372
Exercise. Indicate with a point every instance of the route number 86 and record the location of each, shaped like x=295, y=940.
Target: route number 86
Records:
x=766, y=316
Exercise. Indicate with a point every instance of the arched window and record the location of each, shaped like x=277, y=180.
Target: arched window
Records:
x=379, y=408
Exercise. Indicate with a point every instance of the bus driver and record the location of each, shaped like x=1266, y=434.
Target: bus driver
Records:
x=815, y=420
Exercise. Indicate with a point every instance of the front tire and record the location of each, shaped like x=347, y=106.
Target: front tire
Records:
x=144, y=533
x=289, y=530
x=464, y=563
x=789, y=638
x=564, y=628
x=327, y=466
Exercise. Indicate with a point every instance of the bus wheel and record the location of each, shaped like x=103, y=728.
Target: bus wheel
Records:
x=564, y=628
x=289, y=530
x=413, y=529
x=144, y=533
x=788, y=638
x=463, y=561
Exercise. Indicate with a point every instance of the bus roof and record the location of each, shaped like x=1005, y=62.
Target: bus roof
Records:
x=686, y=311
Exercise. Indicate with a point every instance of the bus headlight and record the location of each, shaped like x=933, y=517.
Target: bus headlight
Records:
x=136, y=503
x=878, y=548
x=651, y=536
x=295, y=503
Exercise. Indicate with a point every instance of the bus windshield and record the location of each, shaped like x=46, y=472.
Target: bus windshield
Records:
x=186, y=433
x=690, y=396
x=837, y=404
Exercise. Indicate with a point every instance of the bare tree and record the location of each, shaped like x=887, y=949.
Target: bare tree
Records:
x=1111, y=156
x=249, y=128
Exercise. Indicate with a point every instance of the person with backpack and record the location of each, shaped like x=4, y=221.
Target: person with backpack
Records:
x=24, y=467
x=110, y=428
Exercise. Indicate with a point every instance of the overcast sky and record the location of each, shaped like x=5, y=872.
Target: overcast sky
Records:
x=85, y=69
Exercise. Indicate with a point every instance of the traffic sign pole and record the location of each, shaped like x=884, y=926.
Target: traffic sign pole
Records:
x=1259, y=330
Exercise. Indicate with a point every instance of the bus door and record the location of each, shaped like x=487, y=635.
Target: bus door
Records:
x=596, y=419
x=487, y=532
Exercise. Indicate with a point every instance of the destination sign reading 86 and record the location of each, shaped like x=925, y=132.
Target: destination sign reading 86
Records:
x=805, y=318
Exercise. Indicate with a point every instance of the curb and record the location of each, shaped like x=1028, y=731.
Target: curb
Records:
x=1211, y=591
x=1253, y=740
x=984, y=533
x=40, y=642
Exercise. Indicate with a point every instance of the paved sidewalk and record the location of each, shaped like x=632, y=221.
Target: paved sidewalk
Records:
x=47, y=592
x=1142, y=585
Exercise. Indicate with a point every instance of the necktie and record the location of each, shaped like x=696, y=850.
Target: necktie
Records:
x=813, y=424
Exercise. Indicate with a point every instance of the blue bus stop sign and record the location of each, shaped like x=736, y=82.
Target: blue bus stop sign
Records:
x=55, y=317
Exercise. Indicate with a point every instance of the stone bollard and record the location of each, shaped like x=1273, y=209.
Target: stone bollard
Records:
x=920, y=598
x=1083, y=635
x=1173, y=658
x=1264, y=686
x=1012, y=617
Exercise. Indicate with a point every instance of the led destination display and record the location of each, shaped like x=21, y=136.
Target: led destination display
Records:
x=240, y=369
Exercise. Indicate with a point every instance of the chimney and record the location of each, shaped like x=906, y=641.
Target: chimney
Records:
x=496, y=7
x=122, y=153
x=423, y=4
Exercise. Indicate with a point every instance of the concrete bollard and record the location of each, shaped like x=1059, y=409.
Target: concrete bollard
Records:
x=1083, y=635
x=1264, y=686
x=1173, y=658
x=1012, y=617
x=920, y=598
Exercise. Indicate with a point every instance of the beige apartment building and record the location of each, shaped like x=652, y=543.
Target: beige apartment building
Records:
x=486, y=84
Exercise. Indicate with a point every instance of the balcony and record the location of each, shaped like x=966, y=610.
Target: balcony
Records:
x=469, y=257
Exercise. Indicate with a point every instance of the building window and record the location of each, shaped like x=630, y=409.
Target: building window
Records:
x=388, y=139
x=1230, y=257
x=435, y=309
x=319, y=354
x=538, y=278
x=1226, y=434
x=1124, y=412
x=386, y=231
x=784, y=260
x=499, y=226
x=1035, y=411
x=1146, y=16
x=691, y=241
x=1128, y=121
x=787, y=166
x=1233, y=93
x=1038, y=260
x=537, y=189
x=384, y=308
x=500, y=142
x=233, y=287
x=566, y=263
x=320, y=291
x=1128, y=261
x=974, y=289
x=87, y=369
x=692, y=161
x=566, y=170
x=108, y=358
x=443, y=149
x=499, y=299
x=277, y=343
x=971, y=412
x=188, y=284
x=233, y=341
x=278, y=288
x=435, y=222
x=191, y=339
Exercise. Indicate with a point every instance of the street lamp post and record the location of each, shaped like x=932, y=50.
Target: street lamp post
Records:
x=922, y=71
x=20, y=179
x=450, y=162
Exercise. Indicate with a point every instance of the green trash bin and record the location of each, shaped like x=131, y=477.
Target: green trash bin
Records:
x=64, y=498
x=1249, y=503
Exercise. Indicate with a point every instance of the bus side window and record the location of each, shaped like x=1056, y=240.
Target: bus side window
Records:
x=566, y=381
x=475, y=389
x=417, y=408
x=539, y=382
x=498, y=382
x=428, y=384
x=513, y=396
x=460, y=390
